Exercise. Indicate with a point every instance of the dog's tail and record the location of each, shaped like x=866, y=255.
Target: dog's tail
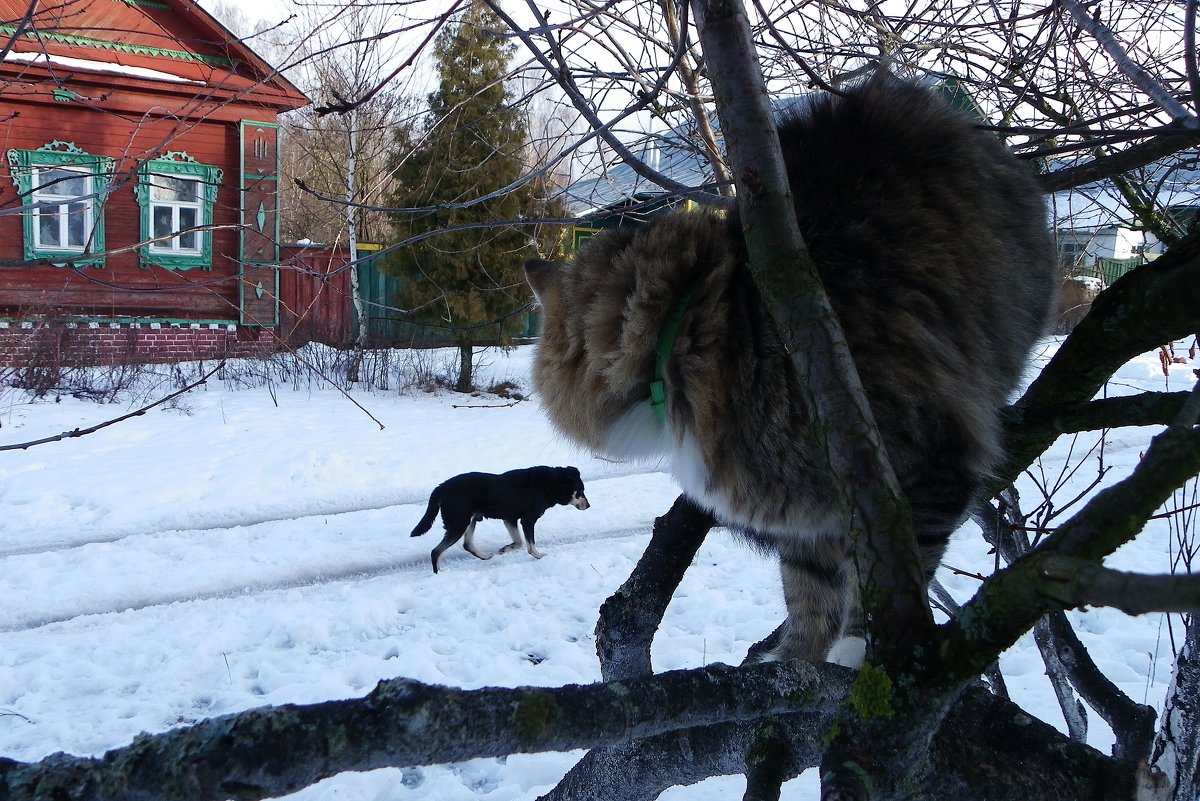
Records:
x=435, y=500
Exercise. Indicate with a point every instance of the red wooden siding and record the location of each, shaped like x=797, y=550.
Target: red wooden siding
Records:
x=123, y=286
x=314, y=291
x=314, y=296
x=207, y=85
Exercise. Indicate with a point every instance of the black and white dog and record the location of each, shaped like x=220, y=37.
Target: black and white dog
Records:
x=523, y=495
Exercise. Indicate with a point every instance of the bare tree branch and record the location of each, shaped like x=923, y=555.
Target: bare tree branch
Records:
x=1010, y=602
x=631, y=615
x=559, y=69
x=1065, y=655
x=83, y=432
x=1132, y=723
x=1074, y=712
x=1131, y=68
x=1118, y=163
x=1079, y=582
x=987, y=749
x=885, y=550
x=1143, y=409
x=274, y=750
x=1141, y=310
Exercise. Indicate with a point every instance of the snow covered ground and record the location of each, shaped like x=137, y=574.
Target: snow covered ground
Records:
x=244, y=547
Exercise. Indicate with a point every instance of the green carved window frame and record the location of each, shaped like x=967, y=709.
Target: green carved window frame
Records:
x=36, y=175
x=176, y=195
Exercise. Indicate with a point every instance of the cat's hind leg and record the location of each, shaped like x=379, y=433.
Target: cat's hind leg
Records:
x=819, y=588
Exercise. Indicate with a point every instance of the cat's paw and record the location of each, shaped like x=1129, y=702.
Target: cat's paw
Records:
x=767, y=650
x=849, y=652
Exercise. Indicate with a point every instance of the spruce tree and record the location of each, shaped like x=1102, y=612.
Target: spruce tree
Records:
x=475, y=141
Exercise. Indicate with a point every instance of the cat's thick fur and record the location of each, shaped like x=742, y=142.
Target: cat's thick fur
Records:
x=932, y=242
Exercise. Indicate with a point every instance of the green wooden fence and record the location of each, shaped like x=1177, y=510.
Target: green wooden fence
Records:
x=1107, y=270
x=388, y=326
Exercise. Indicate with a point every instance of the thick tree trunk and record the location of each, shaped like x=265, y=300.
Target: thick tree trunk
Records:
x=1177, y=747
x=466, y=358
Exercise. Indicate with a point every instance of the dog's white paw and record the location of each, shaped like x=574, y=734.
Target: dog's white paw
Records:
x=508, y=548
x=849, y=652
x=535, y=553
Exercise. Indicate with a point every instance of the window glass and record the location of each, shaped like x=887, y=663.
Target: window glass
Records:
x=162, y=224
x=77, y=224
x=48, y=230
x=187, y=219
x=63, y=211
x=174, y=189
x=175, y=207
x=59, y=182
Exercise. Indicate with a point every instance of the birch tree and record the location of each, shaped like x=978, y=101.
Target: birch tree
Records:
x=337, y=150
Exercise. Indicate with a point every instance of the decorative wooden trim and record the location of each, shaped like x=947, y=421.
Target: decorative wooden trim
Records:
x=177, y=163
x=258, y=241
x=146, y=4
x=58, y=153
x=122, y=47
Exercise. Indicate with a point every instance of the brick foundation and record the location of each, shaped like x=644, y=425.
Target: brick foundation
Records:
x=25, y=344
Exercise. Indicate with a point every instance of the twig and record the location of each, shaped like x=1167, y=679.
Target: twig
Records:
x=1132, y=69
x=12, y=713
x=483, y=405
x=78, y=432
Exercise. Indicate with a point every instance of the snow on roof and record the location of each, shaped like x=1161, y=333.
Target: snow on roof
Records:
x=96, y=66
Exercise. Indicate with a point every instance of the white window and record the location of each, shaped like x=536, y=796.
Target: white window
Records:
x=62, y=209
x=176, y=207
x=177, y=196
x=62, y=189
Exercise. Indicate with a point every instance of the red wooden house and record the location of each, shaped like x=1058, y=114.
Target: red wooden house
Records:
x=138, y=202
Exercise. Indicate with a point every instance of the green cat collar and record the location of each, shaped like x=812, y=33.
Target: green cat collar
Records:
x=666, y=341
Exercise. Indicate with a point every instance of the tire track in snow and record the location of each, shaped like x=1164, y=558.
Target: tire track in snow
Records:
x=353, y=572
x=234, y=519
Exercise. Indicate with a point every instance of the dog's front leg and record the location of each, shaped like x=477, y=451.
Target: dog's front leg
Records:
x=527, y=525
x=511, y=525
x=469, y=541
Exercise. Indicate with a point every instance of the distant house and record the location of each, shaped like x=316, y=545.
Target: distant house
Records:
x=138, y=197
x=619, y=196
x=1106, y=252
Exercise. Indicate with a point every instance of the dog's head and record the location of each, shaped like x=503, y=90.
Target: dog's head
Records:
x=573, y=485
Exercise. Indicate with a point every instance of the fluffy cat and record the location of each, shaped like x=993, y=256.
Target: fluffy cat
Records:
x=932, y=242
